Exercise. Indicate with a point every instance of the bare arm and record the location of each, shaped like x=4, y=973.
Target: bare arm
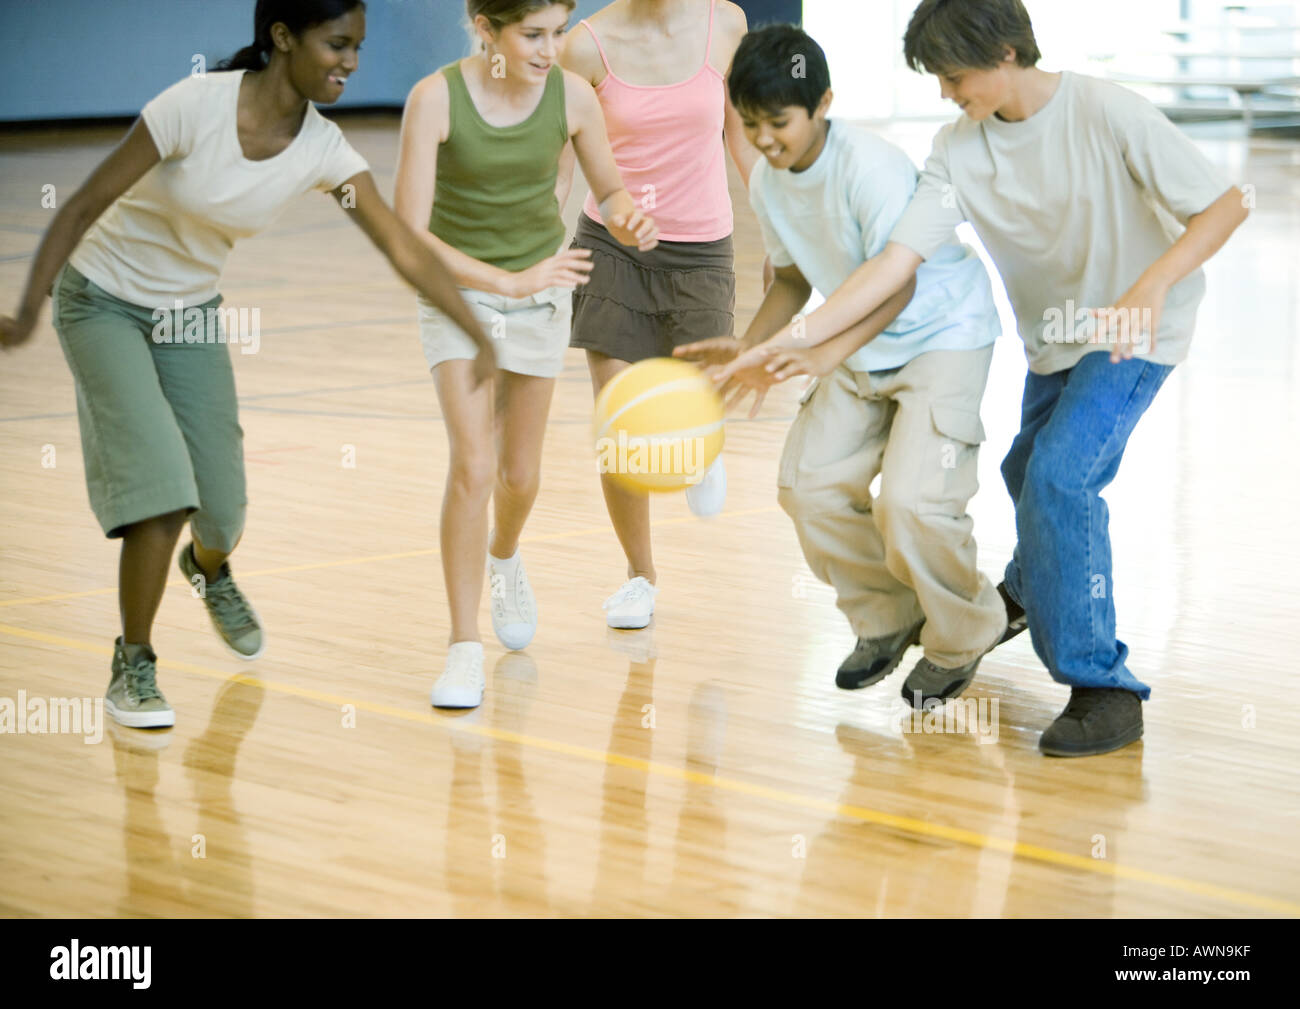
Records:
x=829, y=355
x=622, y=217
x=564, y=177
x=743, y=153
x=424, y=126
x=785, y=296
x=1206, y=232
x=581, y=56
x=1205, y=235
x=868, y=287
x=121, y=170
x=414, y=261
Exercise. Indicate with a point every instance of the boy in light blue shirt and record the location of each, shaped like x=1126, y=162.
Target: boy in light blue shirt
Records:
x=897, y=394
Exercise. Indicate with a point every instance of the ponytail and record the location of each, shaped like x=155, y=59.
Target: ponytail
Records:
x=296, y=15
x=249, y=58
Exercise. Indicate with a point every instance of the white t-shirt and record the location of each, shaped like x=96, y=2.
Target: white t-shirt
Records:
x=168, y=237
x=832, y=217
x=1073, y=204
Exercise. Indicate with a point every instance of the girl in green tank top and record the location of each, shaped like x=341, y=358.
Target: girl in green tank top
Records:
x=481, y=146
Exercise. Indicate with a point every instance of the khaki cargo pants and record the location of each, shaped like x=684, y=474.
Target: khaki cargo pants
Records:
x=908, y=553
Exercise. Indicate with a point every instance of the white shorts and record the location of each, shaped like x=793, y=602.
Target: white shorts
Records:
x=530, y=334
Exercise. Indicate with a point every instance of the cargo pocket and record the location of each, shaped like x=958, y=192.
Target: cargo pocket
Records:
x=959, y=434
x=788, y=470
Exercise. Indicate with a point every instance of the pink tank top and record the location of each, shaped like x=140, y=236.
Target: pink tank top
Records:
x=667, y=142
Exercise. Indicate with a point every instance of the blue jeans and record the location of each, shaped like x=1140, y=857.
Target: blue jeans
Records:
x=1074, y=425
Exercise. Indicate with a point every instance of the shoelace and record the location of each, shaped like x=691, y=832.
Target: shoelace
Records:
x=497, y=582
x=141, y=683
x=231, y=606
x=462, y=674
x=634, y=591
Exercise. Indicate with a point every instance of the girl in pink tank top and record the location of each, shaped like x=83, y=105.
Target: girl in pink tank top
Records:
x=667, y=141
x=658, y=67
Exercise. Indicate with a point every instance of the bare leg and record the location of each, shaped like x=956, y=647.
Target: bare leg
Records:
x=523, y=403
x=628, y=510
x=209, y=561
x=464, y=524
x=142, y=573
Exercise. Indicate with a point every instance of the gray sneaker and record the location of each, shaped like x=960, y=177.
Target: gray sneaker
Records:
x=927, y=682
x=232, y=614
x=133, y=697
x=875, y=658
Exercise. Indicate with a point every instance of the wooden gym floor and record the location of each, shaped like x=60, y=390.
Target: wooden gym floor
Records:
x=706, y=766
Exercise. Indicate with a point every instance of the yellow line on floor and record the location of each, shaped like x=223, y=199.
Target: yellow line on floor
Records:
x=864, y=814
x=345, y=561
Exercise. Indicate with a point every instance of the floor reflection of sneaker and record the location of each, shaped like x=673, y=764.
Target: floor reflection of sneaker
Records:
x=461, y=683
x=632, y=606
x=637, y=645
x=133, y=698
x=514, y=608
x=707, y=497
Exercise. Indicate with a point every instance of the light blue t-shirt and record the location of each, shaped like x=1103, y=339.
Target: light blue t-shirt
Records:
x=833, y=217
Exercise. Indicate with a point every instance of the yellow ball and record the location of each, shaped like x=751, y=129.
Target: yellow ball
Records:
x=658, y=425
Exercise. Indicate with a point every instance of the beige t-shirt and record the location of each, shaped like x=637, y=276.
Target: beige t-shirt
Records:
x=167, y=238
x=1073, y=204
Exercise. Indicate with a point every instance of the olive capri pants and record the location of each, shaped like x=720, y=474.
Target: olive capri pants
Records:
x=159, y=420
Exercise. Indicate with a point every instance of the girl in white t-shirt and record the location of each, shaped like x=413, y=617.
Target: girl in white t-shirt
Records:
x=211, y=160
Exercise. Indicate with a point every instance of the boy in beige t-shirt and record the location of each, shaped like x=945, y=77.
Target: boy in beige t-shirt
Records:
x=1098, y=213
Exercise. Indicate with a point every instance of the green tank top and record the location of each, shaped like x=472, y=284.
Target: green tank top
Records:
x=494, y=198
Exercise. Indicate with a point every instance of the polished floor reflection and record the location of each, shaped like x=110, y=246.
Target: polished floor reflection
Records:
x=705, y=766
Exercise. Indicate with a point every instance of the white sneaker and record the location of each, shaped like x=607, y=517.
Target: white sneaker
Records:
x=461, y=683
x=514, y=609
x=707, y=497
x=632, y=606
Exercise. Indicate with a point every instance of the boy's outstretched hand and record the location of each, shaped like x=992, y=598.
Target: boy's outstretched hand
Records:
x=716, y=350
x=1131, y=324
x=787, y=362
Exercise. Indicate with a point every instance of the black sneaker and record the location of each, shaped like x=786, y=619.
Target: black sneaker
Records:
x=872, y=659
x=1016, y=619
x=1097, y=720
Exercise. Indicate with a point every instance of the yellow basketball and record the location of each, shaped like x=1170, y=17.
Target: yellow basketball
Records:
x=658, y=425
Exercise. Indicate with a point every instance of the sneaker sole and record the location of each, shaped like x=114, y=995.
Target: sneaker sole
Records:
x=1093, y=749
x=625, y=624
x=874, y=678
x=456, y=705
x=509, y=644
x=140, y=719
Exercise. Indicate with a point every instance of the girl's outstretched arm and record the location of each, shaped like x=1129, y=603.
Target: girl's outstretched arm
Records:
x=121, y=170
x=418, y=264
